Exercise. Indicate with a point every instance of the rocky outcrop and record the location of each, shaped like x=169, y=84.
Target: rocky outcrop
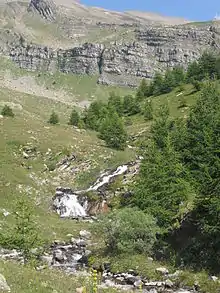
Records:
x=155, y=48
x=86, y=204
x=46, y=8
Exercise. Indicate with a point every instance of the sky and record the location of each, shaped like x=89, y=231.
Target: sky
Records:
x=197, y=10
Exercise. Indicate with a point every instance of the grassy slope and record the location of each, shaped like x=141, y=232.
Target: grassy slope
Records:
x=29, y=125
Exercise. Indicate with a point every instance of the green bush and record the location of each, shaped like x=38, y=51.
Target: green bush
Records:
x=7, y=111
x=112, y=131
x=24, y=235
x=74, y=118
x=54, y=119
x=128, y=231
x=148, y=110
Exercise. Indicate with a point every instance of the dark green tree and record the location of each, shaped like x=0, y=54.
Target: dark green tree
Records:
x=168, y=83
x=130, y=105
x=157, y=84
x=94, y=115
x=24, y=235
x=161, y=127
x=193, y=72
x=116, y=102
x=143, y=90
x=207, y=63
x=113, y=132
x=162, y=188
x=200, y=153
x=148, y=110
x=178, y=76
x=74, y=118
x=54, y=119
x=7, y=111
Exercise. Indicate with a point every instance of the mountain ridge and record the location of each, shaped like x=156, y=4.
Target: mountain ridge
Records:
x=119, y=48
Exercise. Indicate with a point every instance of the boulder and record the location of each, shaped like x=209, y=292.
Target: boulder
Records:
x=162, y=271
x=85, y=234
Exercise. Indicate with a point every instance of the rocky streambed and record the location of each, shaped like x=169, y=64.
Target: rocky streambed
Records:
x=78, y=204
x=72, y=257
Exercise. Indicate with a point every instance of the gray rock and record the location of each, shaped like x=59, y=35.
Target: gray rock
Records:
x=162, y=271
x=58, y=255
x=138, y=284
x=155, y=48
x=214, y=278
x=85, y=234
x=47, y=259
x=3, y=284
x=169, y=283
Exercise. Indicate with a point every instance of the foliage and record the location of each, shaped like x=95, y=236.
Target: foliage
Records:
x=148, y=110
x=161, y=126
x=113, y=132
x=7, y=111
x=130, y=105
x=94, y=115
x=115, y=101
x=128, y=231
x=24, y=236
x=197, y=85
x=54, y=119
x=182, y=102
x=162, y=187
x=74, y=118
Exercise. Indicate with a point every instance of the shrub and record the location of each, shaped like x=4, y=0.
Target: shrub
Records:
x=74, y=118
x=197, y=85
x=54, y=119
x=182, y=102
x=148, y=110
x=128, y=231
x=113, y=132
x=24, y=235
x=7, y=111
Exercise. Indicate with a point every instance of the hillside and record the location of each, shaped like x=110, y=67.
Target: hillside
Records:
x=105, y=187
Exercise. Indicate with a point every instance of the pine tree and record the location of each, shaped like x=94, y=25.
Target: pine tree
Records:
x=54, y=119
x=116, y=102
x=178, y=75
x=162, y=188
x=142, y=91
x=168, y=83
x=7, y=111
x=157, y=84
x=161, y=127
x=74, y=118
x=193, y=72
x=148, y=110
x=130, y=105
x=113, y=132
x=94, y=115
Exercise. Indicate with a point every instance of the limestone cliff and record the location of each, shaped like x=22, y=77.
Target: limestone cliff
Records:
x=152, y=47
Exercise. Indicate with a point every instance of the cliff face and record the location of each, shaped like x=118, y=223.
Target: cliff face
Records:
x=154, y=49
x=139, y=48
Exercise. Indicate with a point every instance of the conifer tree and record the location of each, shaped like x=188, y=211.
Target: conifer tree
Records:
x=116, y=102
x=162, y=188
x=148, y=110
x=74, y=118
x=54, y=119
x=113, y=132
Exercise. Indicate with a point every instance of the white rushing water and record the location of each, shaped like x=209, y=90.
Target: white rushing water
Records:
x=66, y=201
x=69, y=206
x=105, y=179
